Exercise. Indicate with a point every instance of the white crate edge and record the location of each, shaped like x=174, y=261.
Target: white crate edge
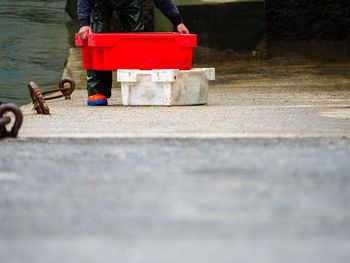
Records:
x=127, y=75
x=209, y=72
x=162, y=75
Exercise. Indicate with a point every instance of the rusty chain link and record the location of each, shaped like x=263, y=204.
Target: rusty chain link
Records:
x=39, y=99
x=39, y=104
x=5, y=120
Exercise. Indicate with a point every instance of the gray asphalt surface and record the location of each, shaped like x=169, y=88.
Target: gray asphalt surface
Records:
x=175, y=200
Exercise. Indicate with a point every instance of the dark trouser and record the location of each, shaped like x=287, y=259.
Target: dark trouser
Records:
x=130, y=13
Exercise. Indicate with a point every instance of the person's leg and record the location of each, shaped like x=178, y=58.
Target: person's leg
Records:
x=100, y=82
x=131, y=16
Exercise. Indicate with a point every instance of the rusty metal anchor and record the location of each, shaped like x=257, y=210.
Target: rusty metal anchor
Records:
x=39, y=99
x=4, y=120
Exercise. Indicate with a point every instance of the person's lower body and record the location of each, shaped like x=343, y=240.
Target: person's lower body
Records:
x=130, y=12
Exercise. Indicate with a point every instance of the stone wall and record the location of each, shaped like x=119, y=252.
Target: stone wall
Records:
x=236, y=29
x=238, y=26
x=319, y=20
x=71, y=8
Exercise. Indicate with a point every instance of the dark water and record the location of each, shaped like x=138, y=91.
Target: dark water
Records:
x=34, y=43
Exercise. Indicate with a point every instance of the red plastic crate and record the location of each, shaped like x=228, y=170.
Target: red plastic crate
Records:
x=143, y=51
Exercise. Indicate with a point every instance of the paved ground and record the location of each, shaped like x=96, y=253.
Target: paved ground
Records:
x=175, y=200
x=84, y=185
x=281, y=97
x=230, y=113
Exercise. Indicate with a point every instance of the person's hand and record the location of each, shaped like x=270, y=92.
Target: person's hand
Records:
x=181, y=28
x=84, y=31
